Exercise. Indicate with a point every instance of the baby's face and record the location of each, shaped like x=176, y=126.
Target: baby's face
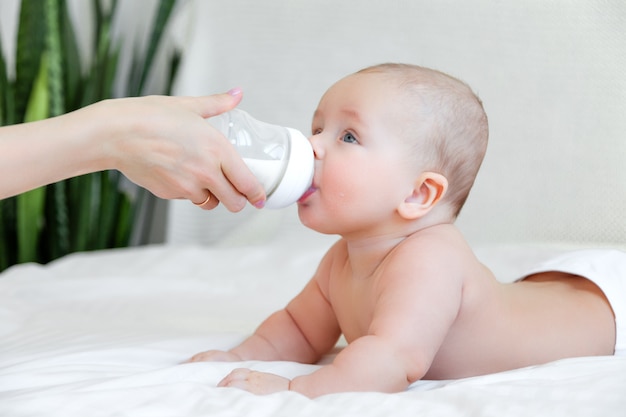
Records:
x=362, y=171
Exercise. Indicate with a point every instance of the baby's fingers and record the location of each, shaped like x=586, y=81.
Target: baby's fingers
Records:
x=215, y=356
x=237, y=378
x=255, y=382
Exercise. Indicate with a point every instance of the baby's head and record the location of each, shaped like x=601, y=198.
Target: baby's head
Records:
x=411, y=136
x=447, y=128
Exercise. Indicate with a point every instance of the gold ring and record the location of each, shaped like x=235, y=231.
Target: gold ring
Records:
x=204, y=202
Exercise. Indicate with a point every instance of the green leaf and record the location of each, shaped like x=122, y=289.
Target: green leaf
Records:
x=99, y=13
x=102, y=73
x=30, y=46
x=173, y=72
x=103, y=17
x=83, y=217
x=71, y=63
x=158, y=28
x=134, y=74
x=57, y=227
x=39, y=101
x=91, y=211
x=8, y=234
x=124, y=228
x=109, y=71
x=4, y=89
x=29, y=221
x=55, y=56
x=110, y=197
x=30, y=205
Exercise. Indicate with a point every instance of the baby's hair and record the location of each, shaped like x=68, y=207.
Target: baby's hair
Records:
x=450, y=132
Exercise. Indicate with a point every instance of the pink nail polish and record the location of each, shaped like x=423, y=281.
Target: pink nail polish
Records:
x=259, y=204
x=235, y=91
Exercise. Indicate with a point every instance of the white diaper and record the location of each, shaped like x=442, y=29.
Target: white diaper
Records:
x=606, y=269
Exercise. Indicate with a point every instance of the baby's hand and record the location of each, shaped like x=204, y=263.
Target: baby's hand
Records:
x=259, y=383
x=215, y=356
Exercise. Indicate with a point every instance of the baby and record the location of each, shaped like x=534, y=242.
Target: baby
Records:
x=397, y=148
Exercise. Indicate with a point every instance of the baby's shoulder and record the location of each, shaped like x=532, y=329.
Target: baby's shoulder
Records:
x=441, y=249
x=442, y=239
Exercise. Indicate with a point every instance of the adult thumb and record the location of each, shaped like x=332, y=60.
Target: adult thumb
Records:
x=213, y=105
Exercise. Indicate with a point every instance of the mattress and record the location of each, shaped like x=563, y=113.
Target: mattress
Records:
x=106, y=334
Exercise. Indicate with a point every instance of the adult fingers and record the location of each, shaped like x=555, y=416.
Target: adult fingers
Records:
x=209, y=203
x=208, y=106
x=243, y=181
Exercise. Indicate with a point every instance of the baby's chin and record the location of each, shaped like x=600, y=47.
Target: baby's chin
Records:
x=310, y=220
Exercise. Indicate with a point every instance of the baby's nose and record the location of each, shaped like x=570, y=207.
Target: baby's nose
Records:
x=316, y=143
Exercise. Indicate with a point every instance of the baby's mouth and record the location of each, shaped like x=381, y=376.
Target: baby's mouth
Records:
x=307, y=193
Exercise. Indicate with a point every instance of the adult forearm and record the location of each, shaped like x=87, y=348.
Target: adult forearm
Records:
x=43, y=152
x=163, y=144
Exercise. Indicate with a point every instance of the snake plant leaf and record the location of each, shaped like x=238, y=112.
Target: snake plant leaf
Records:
x=156, y=34
x=173, y=71
x=30, y=208
x=7, y=206
x=103, y=17
x=8, y=232
x=39, y=102
x=54, y=56
x=110, y=200
x=5, y=259
x=95, y=210
x=109, y=70
x=126, y=214
x=82, y=192
x=71, y=64
x=4, y=88
x=99, y=80
x=56, y=227
x=30, y=46
x=30, y=205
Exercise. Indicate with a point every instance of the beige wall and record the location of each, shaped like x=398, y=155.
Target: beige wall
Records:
x=551, y=75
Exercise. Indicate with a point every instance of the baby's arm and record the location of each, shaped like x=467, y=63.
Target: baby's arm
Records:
x=290, y=334
x=368, y=364
x=418, y=297
x=409, y=325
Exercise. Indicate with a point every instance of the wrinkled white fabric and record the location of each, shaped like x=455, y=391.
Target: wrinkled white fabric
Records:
x=104, y=334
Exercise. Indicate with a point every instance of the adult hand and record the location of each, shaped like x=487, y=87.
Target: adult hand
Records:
x=175, y=153
x=161, y=143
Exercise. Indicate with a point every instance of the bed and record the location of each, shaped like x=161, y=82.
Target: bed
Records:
x=105, y=333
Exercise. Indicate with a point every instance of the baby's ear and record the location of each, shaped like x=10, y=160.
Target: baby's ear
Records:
x=429, y=188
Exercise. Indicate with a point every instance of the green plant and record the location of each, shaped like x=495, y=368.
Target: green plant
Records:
x=94, y=211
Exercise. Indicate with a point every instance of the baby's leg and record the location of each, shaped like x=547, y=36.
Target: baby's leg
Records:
x=583, y=307
x=605, y=268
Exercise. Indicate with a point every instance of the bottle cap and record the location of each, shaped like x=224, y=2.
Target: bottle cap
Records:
x=298, y=174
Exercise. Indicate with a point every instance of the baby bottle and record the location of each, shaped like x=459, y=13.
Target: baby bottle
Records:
x=280, y=157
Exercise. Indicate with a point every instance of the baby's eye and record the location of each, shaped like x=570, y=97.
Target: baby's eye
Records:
x=349, y=138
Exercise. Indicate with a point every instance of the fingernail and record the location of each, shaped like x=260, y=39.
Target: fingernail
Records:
x=259, y=204
x=234, y=91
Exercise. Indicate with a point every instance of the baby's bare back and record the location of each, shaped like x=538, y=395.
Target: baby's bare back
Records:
x=446, y=313
x=546, y=317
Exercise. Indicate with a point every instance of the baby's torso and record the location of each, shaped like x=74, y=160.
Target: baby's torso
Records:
x=498, y=326
x=541, y=319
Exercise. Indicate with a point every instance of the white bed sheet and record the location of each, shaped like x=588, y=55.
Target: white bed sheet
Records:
x=104, y=334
